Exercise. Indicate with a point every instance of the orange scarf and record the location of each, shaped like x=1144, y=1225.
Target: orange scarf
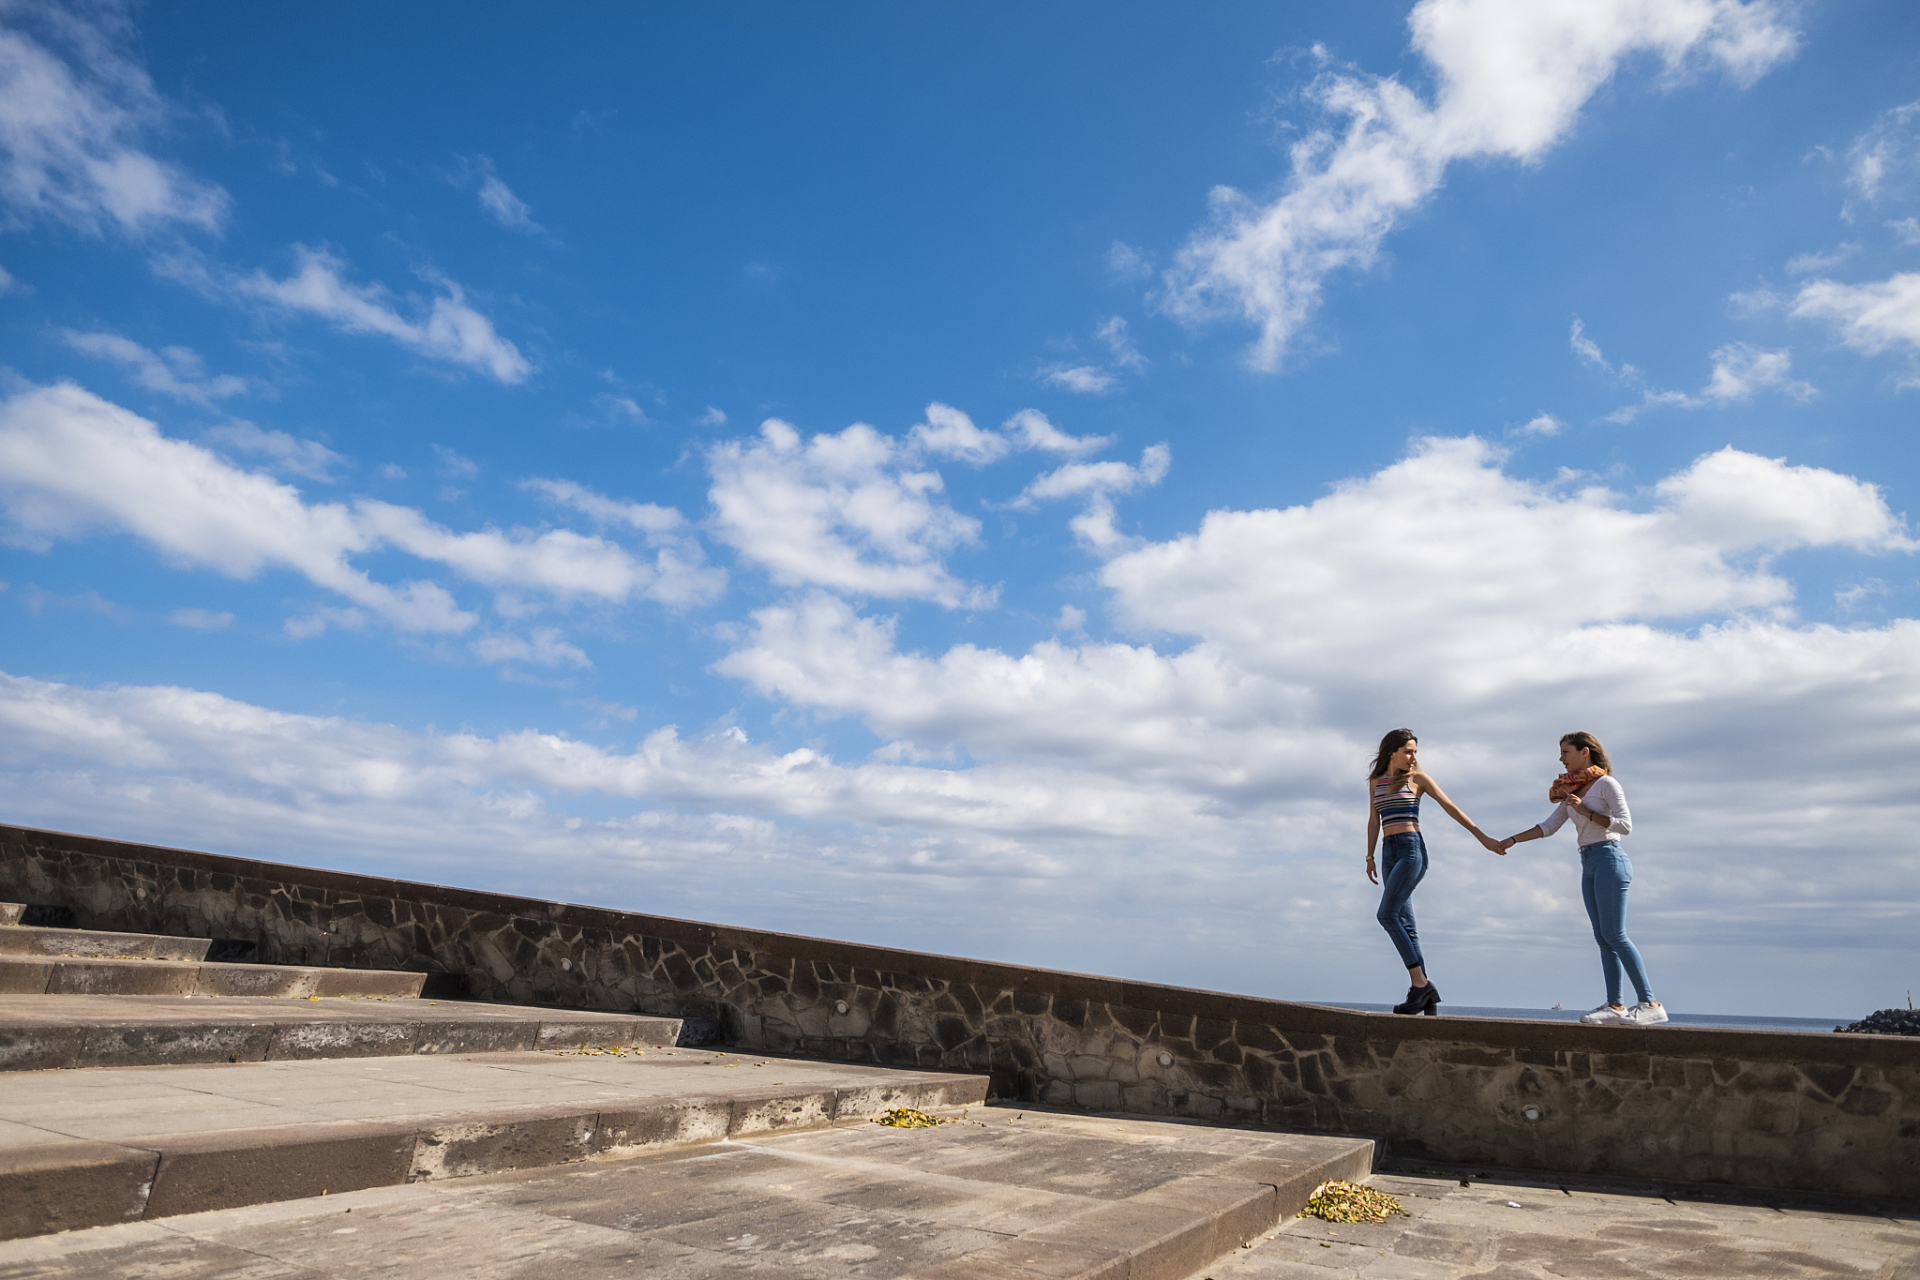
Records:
x=1568, y=783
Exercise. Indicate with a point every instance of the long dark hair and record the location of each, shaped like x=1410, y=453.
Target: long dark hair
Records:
x=1388, y=745
x=1592, y=744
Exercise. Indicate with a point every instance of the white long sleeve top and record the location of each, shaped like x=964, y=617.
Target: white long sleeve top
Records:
x=1606, y=795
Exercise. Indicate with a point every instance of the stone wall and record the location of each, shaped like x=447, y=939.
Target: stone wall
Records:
x=1759, y=1109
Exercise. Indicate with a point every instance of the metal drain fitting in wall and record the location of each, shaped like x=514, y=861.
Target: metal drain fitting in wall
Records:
x=1531, y=1113
x=839, y=1006
x=566, y=964
x=1166, y=1059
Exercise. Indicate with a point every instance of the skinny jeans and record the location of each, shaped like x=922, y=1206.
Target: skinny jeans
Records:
x=1605, y=873
x=1403, y=864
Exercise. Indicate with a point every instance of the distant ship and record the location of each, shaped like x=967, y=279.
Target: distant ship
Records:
x=1559, y=1006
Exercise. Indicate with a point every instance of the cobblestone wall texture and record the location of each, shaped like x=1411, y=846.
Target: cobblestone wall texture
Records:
x=1759, y=1109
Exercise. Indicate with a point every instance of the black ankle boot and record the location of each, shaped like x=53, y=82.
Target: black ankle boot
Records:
x=1421, y=1000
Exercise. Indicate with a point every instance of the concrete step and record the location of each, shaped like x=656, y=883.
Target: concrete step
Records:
x=10, y=912
x=31, y=940
x=39, y=1033
x=54, y=975
x=1003, y=1193
x=102, y=1145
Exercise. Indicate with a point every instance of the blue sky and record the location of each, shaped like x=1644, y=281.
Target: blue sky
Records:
x=982, y=480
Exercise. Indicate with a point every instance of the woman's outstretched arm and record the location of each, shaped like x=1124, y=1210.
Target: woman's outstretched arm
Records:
x=1427, y=785
x=1373, y=833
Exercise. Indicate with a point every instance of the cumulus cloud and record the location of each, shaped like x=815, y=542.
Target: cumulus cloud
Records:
x=544, y=646
x=682, y=577
x=444, y=328
x=1511, y=77
x=1209, y=766
x=1542, y=424
x=1098, y=483
x=71, y=462
x=1099, y=378
x=851, y=511
x=1869, y=317
x=173, y=371
x=75, y=115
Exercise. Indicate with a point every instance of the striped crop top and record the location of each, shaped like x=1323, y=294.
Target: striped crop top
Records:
x=1396, y=805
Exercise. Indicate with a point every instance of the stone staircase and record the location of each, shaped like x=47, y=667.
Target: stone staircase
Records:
x=139, y=1082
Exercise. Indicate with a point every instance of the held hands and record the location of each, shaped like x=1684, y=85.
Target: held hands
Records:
x=1491, y=845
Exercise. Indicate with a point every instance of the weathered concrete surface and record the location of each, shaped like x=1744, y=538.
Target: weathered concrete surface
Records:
x=1751, y=1108
x=30, y=940
x=39, y=1033
x=10, y=912
x=245, y=1133
x=1526, y=1230
x=1000, y=1194
x=69, y=976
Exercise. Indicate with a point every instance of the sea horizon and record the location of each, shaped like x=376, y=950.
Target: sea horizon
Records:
x=1725, y=1021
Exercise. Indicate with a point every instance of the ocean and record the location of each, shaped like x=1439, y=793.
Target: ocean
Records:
x=1728, y=1020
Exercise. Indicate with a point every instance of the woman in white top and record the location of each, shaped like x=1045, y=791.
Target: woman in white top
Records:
x=1590, y=795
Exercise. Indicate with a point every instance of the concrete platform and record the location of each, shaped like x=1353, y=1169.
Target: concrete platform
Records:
x=1002, y=1194
x=31, y=940
x=82, y=1148
x=1590, y=1230
x=46, y=1032
x=54, y=975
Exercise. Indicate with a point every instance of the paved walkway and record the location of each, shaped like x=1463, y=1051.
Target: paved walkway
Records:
x=1529, y=1231
x=999, y=1195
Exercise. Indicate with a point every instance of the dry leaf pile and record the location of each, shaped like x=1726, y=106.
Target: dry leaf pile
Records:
x=908, y=1118
x=1350, y=1202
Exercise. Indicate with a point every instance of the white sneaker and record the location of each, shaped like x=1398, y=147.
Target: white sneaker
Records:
x=1605, y=1016
x=1644, y=1015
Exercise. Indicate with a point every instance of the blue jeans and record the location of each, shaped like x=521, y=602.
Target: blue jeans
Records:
x=1403, y=865
x=1605, y=873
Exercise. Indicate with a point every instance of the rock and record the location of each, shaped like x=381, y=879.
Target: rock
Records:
x=1888, y=1022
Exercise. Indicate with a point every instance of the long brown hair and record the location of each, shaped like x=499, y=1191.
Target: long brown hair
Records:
x=1388, y=745
x=1592, y=744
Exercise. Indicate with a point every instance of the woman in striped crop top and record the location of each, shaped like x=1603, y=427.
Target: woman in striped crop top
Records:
x=1394, y=788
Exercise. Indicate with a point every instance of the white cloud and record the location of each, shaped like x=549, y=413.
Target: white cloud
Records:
x=1907, y=229
x=71, y=462
x=496, y=197
x=1031, y=429
x=72, y=130
x=620, y=407
x=1886, y=155
x=713, y=418
x=949, y=433
x=1128, y=262
x=1215, y=777
x=1098, y=483
x=1512, y=77
x=283, y=452
x=847, y=511
x=682, y=576
x=1807, y=263
x=456, y=464
x=1869, y=317
x=1739, y=370
x=1114, y=333
x=544, y=647
x=1086, y=379
x=444, y=329
x=8, y=284
x=647, y=517
x=200, y=619
x=173, y=371
x=1544, y=424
